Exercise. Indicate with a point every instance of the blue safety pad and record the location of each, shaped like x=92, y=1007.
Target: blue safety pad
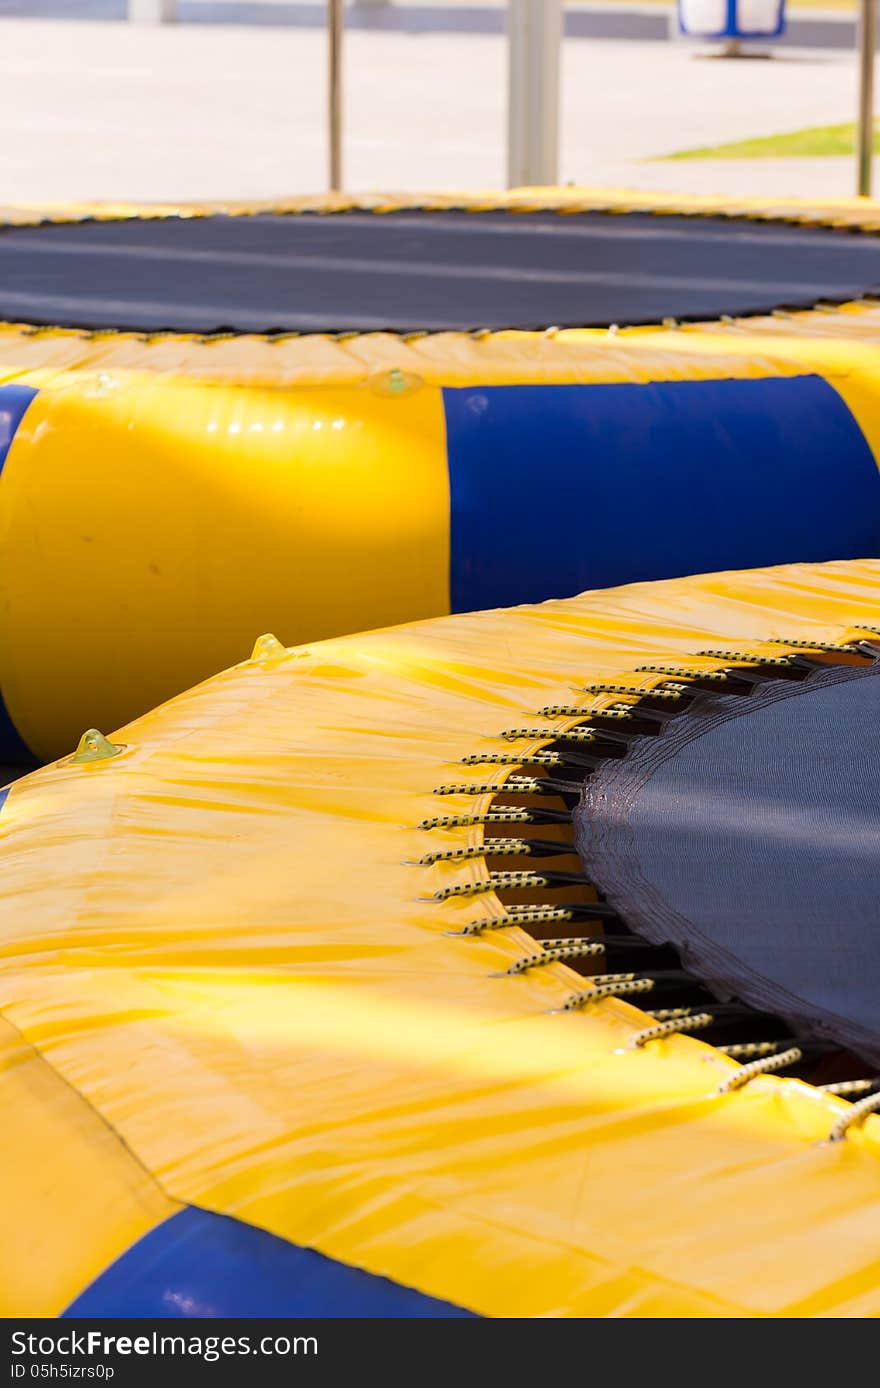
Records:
x=558, y=489
x=14, y=401
x=198, y=1264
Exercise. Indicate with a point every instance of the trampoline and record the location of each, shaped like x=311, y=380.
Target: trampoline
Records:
x=179, y=385
x=421, y=271
x=306, y=978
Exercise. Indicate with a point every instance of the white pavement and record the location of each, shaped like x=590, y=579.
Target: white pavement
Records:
x=94, y=110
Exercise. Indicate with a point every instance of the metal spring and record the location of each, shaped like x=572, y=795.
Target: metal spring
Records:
x=608, y=986
x=667, y=1014
x=695, y=1021
x=743, y=658
x=659, y=978
x=517, y=916
x=510, y=881
x=844, y=1087
x=535, y=848
x=511, y=847
x=684, y=672
x=649, y=715
x=553, y=953
x=520, y=785
x=669, y=694
x=506, y=814
x=542, y=915
x=751, y=1050
x=854, y=1117
x=567, y=711
x=830, y=646
x=467, y=821
x=765, y=1065
x=551, y=734
x=571, y=754
x=512, y=759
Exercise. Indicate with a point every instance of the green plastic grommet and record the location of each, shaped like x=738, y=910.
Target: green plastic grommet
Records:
x=94, y=746
x=395, y=382
x=267, y=647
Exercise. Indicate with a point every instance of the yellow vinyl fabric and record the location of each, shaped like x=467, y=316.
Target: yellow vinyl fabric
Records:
x=235, y=942
x=148, y=529
x=84, y=1198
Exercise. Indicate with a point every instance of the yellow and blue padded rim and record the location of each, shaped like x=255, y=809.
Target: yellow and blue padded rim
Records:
x=412, y=1105
x=540, y=475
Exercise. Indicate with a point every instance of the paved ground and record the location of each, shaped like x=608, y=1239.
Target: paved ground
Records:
x=810, y=23
x=94, y=110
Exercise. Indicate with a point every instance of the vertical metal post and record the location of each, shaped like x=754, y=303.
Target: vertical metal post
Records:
x=152, y=11
x=865, y=130
x=534, y=30
x=335, y=26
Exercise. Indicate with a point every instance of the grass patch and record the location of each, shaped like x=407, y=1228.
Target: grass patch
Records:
x=818, y=141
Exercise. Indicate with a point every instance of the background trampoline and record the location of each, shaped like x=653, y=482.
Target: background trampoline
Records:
x=412, y=270
x=211, y=416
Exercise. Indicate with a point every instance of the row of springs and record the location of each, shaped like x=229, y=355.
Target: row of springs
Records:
x=530, y=817
x=277, y=335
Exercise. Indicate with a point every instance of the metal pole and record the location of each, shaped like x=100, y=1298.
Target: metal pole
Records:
x=335, y=24
x=152, y=11
x=865, y=132
x=534, y=30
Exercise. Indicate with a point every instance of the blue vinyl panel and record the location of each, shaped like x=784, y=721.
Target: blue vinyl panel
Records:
x=557, y=489
x=14, y=401
x=197, y=1264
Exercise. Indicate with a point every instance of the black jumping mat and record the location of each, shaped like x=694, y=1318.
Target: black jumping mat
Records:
x=412, y=271
x=748, y=835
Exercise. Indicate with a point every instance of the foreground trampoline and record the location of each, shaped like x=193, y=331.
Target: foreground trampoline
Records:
x=305, y=975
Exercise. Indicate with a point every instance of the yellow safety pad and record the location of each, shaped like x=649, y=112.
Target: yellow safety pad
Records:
x=225, y=940
x=814, y=340
x=74, y=1198
x=854, y=212
x=63, y=358
x=149, y=530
